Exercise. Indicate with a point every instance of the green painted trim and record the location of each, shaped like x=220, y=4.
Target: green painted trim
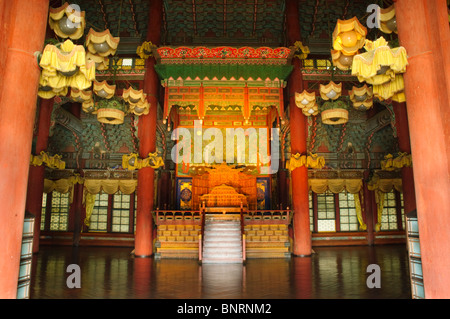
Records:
x=166, y=71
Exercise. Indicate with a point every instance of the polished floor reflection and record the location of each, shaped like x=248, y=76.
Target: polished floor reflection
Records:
x=332, y=272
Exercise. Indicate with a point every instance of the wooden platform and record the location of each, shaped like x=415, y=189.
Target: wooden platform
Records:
x=267, y=241
x=177, y=241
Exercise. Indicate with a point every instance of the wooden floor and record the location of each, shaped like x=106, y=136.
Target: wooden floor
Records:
x=332, y=272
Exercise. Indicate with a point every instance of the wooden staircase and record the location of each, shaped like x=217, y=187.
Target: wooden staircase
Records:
x=222, y=239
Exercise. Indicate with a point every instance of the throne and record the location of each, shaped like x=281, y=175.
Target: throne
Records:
x=223, y=198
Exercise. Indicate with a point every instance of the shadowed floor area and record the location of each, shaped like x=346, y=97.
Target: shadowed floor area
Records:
x=331, y=273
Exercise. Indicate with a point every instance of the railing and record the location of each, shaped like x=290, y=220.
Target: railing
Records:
x=200, y=247
x=202, y=232
x=270, y=214
x=174, y=215
x=243, y=249
x=242, y=232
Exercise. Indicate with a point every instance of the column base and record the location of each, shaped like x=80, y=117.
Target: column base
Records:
x=310, y=255
x=143, y=256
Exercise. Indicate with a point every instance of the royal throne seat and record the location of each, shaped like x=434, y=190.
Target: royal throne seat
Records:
x=222, y=197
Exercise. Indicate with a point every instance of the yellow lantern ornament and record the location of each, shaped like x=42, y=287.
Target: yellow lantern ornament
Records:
x=137, y=100
x=67, y=21
x=388, y=21
x=331, y=91
x=80, y=96
x=305, y=99
x=362, y=97
x=63, y=66
x=311, y=110
x=341, y=60
x=104, y=90
x=102, y=43
x=349, y=36
x=382, y=67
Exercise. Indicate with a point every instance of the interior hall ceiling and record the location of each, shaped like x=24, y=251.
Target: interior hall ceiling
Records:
x=222, y=22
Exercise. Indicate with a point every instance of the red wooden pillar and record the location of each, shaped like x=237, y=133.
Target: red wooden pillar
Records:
x=147, y=140
x=26, y=23
x=368, y=211
x=36, y=174
x=78, y=211
x=164, y=191
x=283, y=192
x=299, y=176
x=401, y=119
x=427, y=103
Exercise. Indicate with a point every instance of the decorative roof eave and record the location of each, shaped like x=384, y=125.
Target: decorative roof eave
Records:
x=326, y=75
x=223, y=55
x=239, y=73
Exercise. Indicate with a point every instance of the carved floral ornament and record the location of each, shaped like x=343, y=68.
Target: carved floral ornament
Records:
x=49, y=161
x=145, y=50
x=310, y=161
x=390, y=163
x=132, y=161
x=301, y=51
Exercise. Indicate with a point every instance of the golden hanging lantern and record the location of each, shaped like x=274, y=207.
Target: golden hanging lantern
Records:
x=133, y=96
x=349, y=36
x=47, y=92
x=341, y=60
x=104, y=90
x=140, y=108
x=102, y=43
x=382, y=67
x=137, y=101
x=89, y=107
x=63, y=66
x=305, y=99
x=362, y=97
x=388, y=21
x=380, y=63
x=393, y=89
x=80, y=96
x=331, y=91
x=101, y=62
x=311, y=110
x=67, y=21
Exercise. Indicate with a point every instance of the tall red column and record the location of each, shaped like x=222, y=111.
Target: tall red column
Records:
x=27, y=23
x=427, y=104
x=37, y=173
x=401, y=119
x=147, y=142
x=299, y=176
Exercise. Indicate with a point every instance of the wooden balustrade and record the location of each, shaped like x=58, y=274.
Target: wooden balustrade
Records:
x=176, y=215
x=271, y=214
x=161, y=216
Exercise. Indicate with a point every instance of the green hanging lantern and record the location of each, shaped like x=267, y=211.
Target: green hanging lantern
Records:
x=334, y=113
x=110, y=111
